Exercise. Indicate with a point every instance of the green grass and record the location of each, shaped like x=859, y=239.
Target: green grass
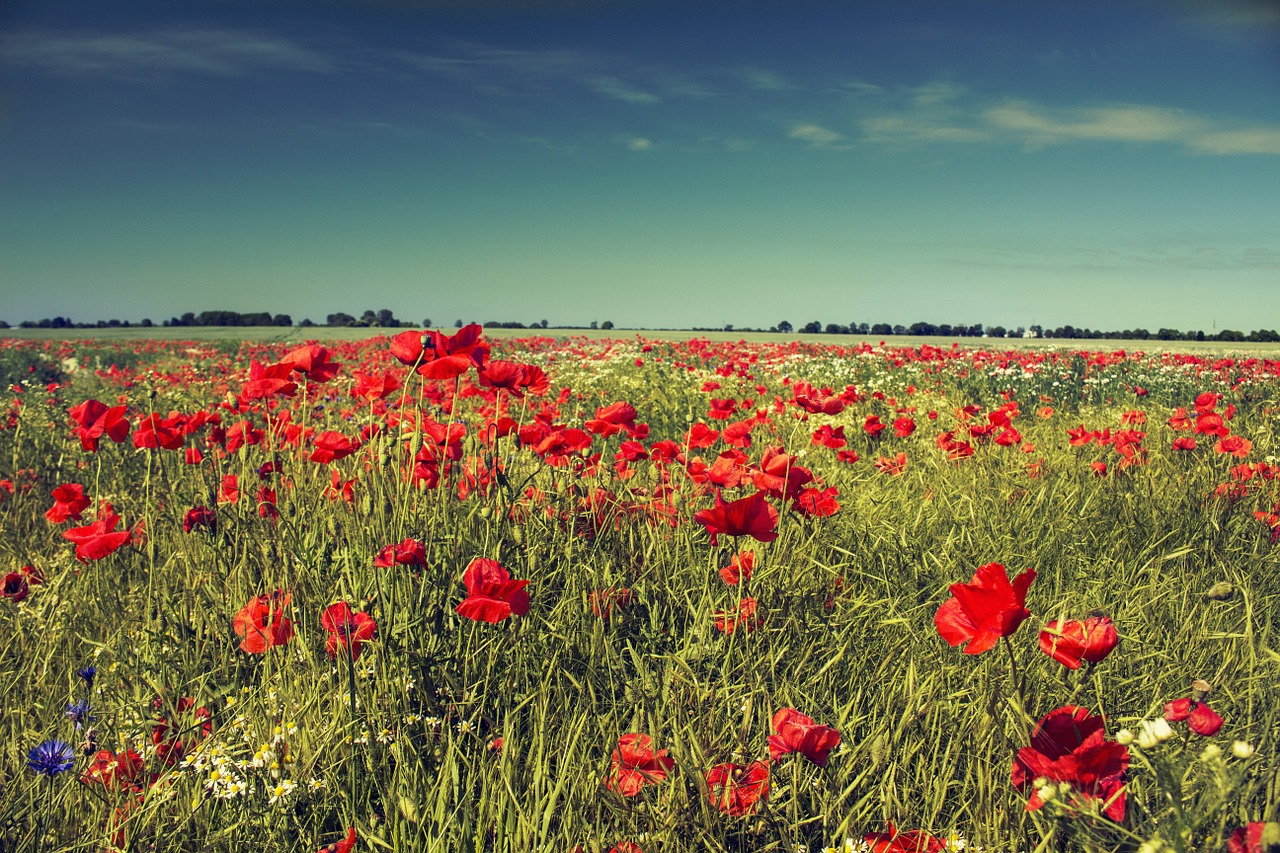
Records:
x=846, y=636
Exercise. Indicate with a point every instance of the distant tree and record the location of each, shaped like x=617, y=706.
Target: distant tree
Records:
x=387, y=318
x=146, y=322
x=607, y=324
x=923, y=329
x=882, y=329
x=282, y=320
x=4, y=324
x=340, y=319
x=368, y=318
x=305, y=323
x=187, y=319
x=1200, y=335
x=1036, y=331
x=811, y=328
x=1168, y=335
x=1230, y=335
x=899, y=329
x=784, y=327
x=426, y=323
x=995, y=331
x=836, y=329
x=457, y=324
x=1141, y=334
x=543, y=324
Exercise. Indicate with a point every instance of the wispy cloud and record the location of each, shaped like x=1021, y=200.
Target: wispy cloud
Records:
x=947, y=113
x=169, y=51
x=612, y=87
x=639, y=143
x=814, y=134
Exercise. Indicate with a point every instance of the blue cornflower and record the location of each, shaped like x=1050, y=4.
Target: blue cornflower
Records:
x=88, y=673
x=80, y=712
x=51, y=758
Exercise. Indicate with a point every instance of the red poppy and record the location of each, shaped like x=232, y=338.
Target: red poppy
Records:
x=348, y=629
x=267, y=380
x=603, y=601
x=171, y=749
x=200, y=516
x=441, y=356
x=739, y=568
x=1211, y=423
x=750, y=516
x=113, y=771
x=1069, y=745
x=1237, y=446
x=1200, y=718
x=892, y=841
x=229, y=489
x=346, y=845
x=893, y=467
x=100, y=539
x=985, y=609
x=492, y=595
x=410, y=552
x=1184, y=442
x=373, y=386
x=154, y=432
x=736, y=789
x=818, y=503
x=727, y=622
x=612, y=419
x=69, y=501
x=94, y=420
x=1251, y=838
x=311, y=360
x=13, y=586
x=794, y=732
x=262, y=624
x=903, y=427
x=636, y=764
x=1072, y=641
x=700, y=435
x=828, y=437
x=332, y=446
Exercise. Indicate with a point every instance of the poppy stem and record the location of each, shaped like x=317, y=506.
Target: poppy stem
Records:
x=1019, y=679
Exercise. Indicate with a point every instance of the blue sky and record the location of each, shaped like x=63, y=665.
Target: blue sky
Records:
x=679, y=164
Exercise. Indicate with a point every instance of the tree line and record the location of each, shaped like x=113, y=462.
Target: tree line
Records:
x=385, y=318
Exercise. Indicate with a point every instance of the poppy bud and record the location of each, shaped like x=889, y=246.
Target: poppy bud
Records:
x=1221, y=591
x=1200, y=689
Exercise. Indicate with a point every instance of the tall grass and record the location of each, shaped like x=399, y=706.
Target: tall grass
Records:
x=401, y=743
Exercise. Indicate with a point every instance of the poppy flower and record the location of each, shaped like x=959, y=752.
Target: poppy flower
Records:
x=1236, y=445
x=818, y=503
x=736, y=789
x=794, y=732
x=636, y=764
x=1251, y=838
x=155, y=433
x=100, y=539
x=727, y=622
x=1073, y=641
x=346, y=845
x=612, y=419
x=903, y=427
x=1184, y=442
x=1200, y=718
x=348, y=629
x=410, y=552
x=893, y=467
x=262, y=624
x=492, y=595
x=266, y=380
x=113, y=771
x=200, y=516
x=332, y=446
x=1069, y=745
x=311, y=360
x=892, y=841
x=375, y=386
x=750, y=516
x=828, y=437
x=440, y=356
x=985, y=609
x=13, y=586
x=739, y=568
x=603, y=601
x=229, y=489
x=700, y=436
x=93, y=420
x=69, y=501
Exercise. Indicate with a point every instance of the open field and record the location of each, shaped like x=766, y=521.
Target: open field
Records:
x=298, y=334
x=488, y=593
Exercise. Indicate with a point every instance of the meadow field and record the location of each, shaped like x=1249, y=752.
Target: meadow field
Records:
x=454, y=591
